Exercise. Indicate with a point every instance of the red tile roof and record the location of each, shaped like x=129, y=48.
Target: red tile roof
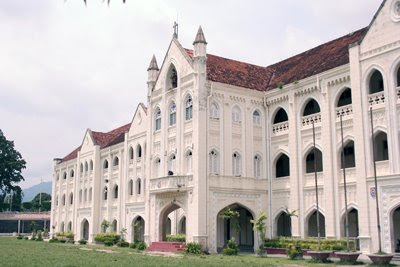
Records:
x=103, y=140
x=316, y=60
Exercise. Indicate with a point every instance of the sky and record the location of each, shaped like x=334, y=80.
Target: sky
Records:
x=66, y=67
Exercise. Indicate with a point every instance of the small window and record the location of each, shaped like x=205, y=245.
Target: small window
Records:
x=214, y=111
x=131, y=153
x=349, y=156
x=256, y=118
x=345, y=98
x=91, y=165
x=311, y=158
x=63, y=200
x=105, y=164
x=114, y=226
x=65, y=175
x=138, y=186
x=312, y=107
x=398, y=77
x=71, y=199
x=188, y=159
x=72, y=174
x=58, y=176
x=214, y=162
x=56, y=201
x=381, y=147
x=282, y=167
x=236, y=164
x=257, y=166
x=236, y=115
x=105, y=193
x=172, y=114
x=172, y=81
x=116, y=191
x=85, y=195
x=139, y=151
x=116, y=161
x=90, y=194
x=81, y=168
x=157, y=167
x=280, y=116
x=130, y=187
x=86, y=166
x=171, y=164
x=158, y=119
x=376, y=83
x=80, y=196
x=188, y=108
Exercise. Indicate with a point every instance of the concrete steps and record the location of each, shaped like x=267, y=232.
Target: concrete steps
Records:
x=167, y=246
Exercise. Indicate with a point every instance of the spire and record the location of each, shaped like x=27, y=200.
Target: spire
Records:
x=153, y=64
x=200, y=37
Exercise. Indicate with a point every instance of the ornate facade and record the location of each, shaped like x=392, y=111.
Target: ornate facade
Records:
x=219, y=133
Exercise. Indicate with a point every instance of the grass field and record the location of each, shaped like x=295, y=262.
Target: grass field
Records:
x=15, y=252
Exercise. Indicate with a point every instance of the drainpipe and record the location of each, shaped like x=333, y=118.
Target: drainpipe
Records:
x=268, y=165
x=207, y=171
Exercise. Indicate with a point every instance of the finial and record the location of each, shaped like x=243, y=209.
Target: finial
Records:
x=175, y=29
x=200, y=37
x=153, y=64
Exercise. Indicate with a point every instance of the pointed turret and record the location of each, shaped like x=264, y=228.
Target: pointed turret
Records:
x=200, y=44
x=152, y=74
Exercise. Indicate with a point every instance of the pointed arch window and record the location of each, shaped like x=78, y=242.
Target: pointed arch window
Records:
x=81, y=168
x=105, y=165
x=116, y=191
x=116, y=161
x=188, y=159
x=236, y=164
x=310, y=161
x=256, y=118
x=188, y=107
x=376, y=82
x=171, y=164
x=65, y=175
x=345, y=98
x=172, y=114
x=130, y=187
x=138, y=152
x=257, y=165
x=214, y=111
x=236, y=114
x=214, y=162
x=280, y=116
x=85, y=195
x=349, y=155
x=131, y=154
x=138, y=186
x=63, y=200
x=157, y=167
x=312, y=107
x=105, y=193
x=72, y=174
x=381, y=146
x=157, y=119
x=282, y=166
x=91, y=165
x=86, y=166
x=90, y=194
x=398, y=76
x=71, y=199
x=172, y=81
x=80, y=196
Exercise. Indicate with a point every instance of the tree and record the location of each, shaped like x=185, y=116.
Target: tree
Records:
x=260, y=226
x=46, y=202
x=11, y=166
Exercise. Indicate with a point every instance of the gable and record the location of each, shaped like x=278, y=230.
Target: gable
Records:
x=139, y=121
x=88, y=142
x=384, y=28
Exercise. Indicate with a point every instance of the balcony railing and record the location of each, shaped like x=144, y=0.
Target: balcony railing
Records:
x=171, y=184
x=280, y=127
x=308, y=120
x=377, y=98
x=344, y=110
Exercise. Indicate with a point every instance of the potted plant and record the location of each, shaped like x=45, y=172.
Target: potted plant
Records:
x=380, y=258
x=294, y=251
x=259, y=227
x=348, y=255
x=319, y=255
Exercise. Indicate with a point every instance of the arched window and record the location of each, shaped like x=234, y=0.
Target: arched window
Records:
x=236, y=114
x=349, y=156
x=157, y=119
x=71, y=199
x=72, y=174
x=188, y=159
x=310, y=161
x=236, y=164
x=214, y=111
x=65, y=175
x=56, y=201
x=131, y=153
x=69, y=226
x=256, y=117
x=80, y=196
x=312, y=107
x=130, y=187
x=138, y=186
x=91, y=165
x=105, y=193
x=81, y=168
x=257, y=166
x=398, y=76
x=105, y=164
x=376, y=82
x=345, y=98
x=171, y=164
x=62, y=229
x=280, y=116
x=115, y=191
x=381, y=146
x=90, y=194
x=63, y=200
x=85, y=195
x=214, y=162
x=138, y=152
x=157, y=167
x=86, y=166
x=188, y=108
x=172, y=114
x=114, y=226
x=172, y=81
x=116, y=161
x=282, y=167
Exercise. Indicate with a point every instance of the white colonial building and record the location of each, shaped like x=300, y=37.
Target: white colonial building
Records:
x=219, y=133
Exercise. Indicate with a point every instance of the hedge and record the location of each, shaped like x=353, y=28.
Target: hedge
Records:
x=326, y=244
x=176, y=238
x=109, y=237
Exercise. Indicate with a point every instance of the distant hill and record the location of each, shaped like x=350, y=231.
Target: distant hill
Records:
x=31, y=192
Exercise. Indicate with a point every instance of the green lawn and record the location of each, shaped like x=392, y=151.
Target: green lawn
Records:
x=15, y=252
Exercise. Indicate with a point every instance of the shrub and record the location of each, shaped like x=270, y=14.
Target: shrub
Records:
x=39, y=236
x=122, y=244
x=141, y=245
x=70, y=241
x=294, y=251
x=54, y=240
x=133, y=245
x=63, y=241
x=108, y=243
x=26, y=238
x=112, y=237
x=33, y=239
x=308, y=243
x=69, y=235
x=176, y=238
x=231, y=249
x=20, y=237
x=193, y=248
x=82, y=242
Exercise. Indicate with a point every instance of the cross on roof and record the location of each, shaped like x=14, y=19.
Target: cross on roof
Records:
x=175, y=29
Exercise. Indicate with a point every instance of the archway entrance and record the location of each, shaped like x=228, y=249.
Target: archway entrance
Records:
x=237, y=227
x=182, y=225
x=138, y=229
x=169, y=223
x=85, y=230
x=353, y=225
x=283, y=225
x=396, y=229
x=312, y=225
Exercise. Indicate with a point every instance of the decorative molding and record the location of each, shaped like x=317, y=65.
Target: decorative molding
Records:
x=237, y=99
x=307, y=90
x=277, y=100
x=379, y=50
x=339, y=80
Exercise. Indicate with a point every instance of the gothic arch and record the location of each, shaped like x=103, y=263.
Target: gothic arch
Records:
x=163, y=216
x=339, y=94
x=305, y=102
x=171, y=75
x=275, y=112
x=368, y=74
x=236, y=108
x=395, y=71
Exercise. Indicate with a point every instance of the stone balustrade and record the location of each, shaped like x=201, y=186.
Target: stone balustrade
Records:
x=280, y=127
x=308, y=120
x=171, y=184
x=377, y=98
